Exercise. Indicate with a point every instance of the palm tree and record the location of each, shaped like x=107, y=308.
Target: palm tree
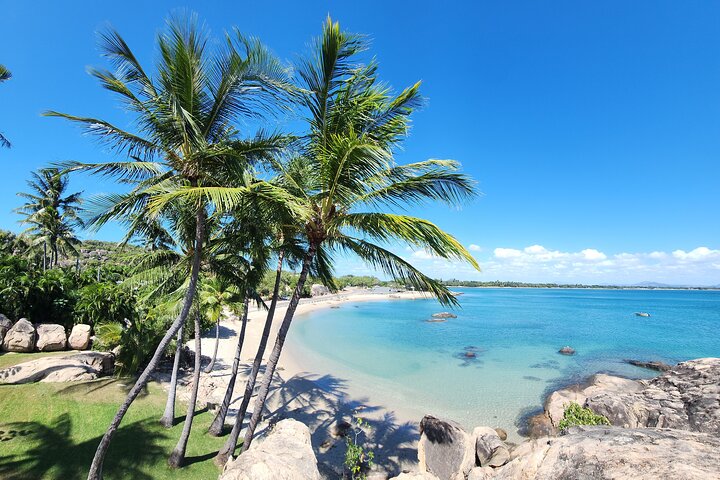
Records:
x=215, y=296
x=4, y=75
x=346, y=166
x=51, y=213
x=185, y=139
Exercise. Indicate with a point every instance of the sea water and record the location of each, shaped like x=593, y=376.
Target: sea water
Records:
x=388, y=351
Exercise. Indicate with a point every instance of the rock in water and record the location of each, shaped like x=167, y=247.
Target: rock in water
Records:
x=20, y=338
x=51, y=337
x=445, y=449
x=5, y=325
x=489, y=449
x=611, y=452
x=567, y=350
x=286, y=453
x=68, y=368
x=444, y=315
x=80, y=337
x=659, y=366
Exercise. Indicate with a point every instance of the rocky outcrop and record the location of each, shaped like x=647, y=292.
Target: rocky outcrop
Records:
x=318, y=290
x=490, y=451
x=444, y=315
x=80, y=337
x=5, y=325
x=445, y=449
x=686, y=397
x=611, y=452
x=286, y=453
x=415, y=476
x=50, y=337
x=20, y=337
x=67, y=368
x=653, y=365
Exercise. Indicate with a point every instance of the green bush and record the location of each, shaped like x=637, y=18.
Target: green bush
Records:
x=357, y=459
x=104, y=302
x=576, y=415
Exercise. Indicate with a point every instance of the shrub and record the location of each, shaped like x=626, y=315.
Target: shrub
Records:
x=357, y=459
x=102, y=302
x=576, y=415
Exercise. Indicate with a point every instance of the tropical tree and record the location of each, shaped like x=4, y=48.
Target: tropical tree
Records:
x=51, y=213
x=4, y=75
x=346, y=175
x=215, y=296
x=185, y=144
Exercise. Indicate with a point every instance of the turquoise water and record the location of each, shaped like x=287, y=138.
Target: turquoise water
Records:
x=388, y=352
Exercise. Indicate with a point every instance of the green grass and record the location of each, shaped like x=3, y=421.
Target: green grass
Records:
x=51, y=431
x=8, y=359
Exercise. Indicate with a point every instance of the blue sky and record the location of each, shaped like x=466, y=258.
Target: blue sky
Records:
x=590, y=126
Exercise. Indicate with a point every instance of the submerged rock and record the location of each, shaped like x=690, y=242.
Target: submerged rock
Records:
x=653, y=365
x=611, y=452
x=20, y=337
x=286, y=453
x=444, y=315
x=445, y=449
x=567, y=351
x=67, y=368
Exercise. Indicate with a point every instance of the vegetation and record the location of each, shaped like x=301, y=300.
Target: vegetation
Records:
x=357, y=459
x=576, y=415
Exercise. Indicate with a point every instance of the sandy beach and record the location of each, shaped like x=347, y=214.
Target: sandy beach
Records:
x=317, y=398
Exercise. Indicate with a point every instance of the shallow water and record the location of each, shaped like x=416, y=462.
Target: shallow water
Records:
x=388, y=350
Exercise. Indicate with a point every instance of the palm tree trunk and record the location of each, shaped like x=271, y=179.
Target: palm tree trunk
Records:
x=44, y=257
x=229, y=447
x=168, y=417
x=97, y=462
x=178, y=454
x=210, y=365
x=218, y=423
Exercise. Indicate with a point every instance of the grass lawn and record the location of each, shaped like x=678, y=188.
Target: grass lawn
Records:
x=51, y=431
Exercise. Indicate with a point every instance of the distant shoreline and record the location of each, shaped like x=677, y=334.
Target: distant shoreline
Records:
x=581, y=287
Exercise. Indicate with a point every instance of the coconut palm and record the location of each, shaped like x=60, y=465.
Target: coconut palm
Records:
x=4, y=75
x=346, y=175
x=185, y=137
x=51, y=213
x=215, y=296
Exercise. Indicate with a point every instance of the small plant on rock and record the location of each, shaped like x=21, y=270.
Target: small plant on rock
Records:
x=576, y=415
x=357, y=459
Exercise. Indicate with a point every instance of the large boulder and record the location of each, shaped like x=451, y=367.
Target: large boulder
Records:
x=51, y=337
x=285, y=454
x=21, y=337
x=5, y=325
x=445, y=449
x=66, y=368
x=490, y=451
x=318, y=290
x=610, y=452
x=79, y=337
x=686, y=397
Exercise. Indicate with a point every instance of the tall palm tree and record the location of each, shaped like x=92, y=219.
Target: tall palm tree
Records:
x=51, y=213
x=215, y=296
x=186, y=116
x=346, y=175
x=4, y=75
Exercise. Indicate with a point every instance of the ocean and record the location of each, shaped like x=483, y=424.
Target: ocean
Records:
x=388, y=350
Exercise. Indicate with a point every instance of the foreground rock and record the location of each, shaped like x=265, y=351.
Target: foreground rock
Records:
x=285, y=454
x=20, y=338
x=686, y=397
x=490, y=451
x=5, y=325
x=51, y=337
x=616, y=453
x=445, y=449
x=80, y=337
x=67, y=368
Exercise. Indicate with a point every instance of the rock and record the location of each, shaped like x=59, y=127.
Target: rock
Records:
x=5, y=325
x=566, y=350
x=20, y=337
x=470, y=355
x=51, y=337
x=341, y=429
x=501, y=433
x=67, y=368
x=481, y=473
x=318, y=290
x=445, y=449
x=79, y=337
x=611, y=452
x=286, y=453
x=415, y=476
x=490, y=451
x=444, y=315
x=654, y=365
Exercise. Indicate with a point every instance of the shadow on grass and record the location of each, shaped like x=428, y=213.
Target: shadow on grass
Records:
x=54, y=454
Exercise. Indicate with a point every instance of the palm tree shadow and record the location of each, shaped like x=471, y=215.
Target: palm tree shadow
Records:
x=54, y=453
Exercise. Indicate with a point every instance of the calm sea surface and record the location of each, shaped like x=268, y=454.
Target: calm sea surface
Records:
x=387, y=350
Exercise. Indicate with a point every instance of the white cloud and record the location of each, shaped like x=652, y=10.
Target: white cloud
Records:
x=535, y=249
x=507, y=253
x=700, y=253
x=475, y=248
x=422, y=254
x=592, y=254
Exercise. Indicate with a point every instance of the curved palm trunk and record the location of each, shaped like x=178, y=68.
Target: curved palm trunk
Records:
x=168, y=417
x=178, y=454
x=229, y=447
x=97, y=462
x=218, y=423
x=210, y=365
